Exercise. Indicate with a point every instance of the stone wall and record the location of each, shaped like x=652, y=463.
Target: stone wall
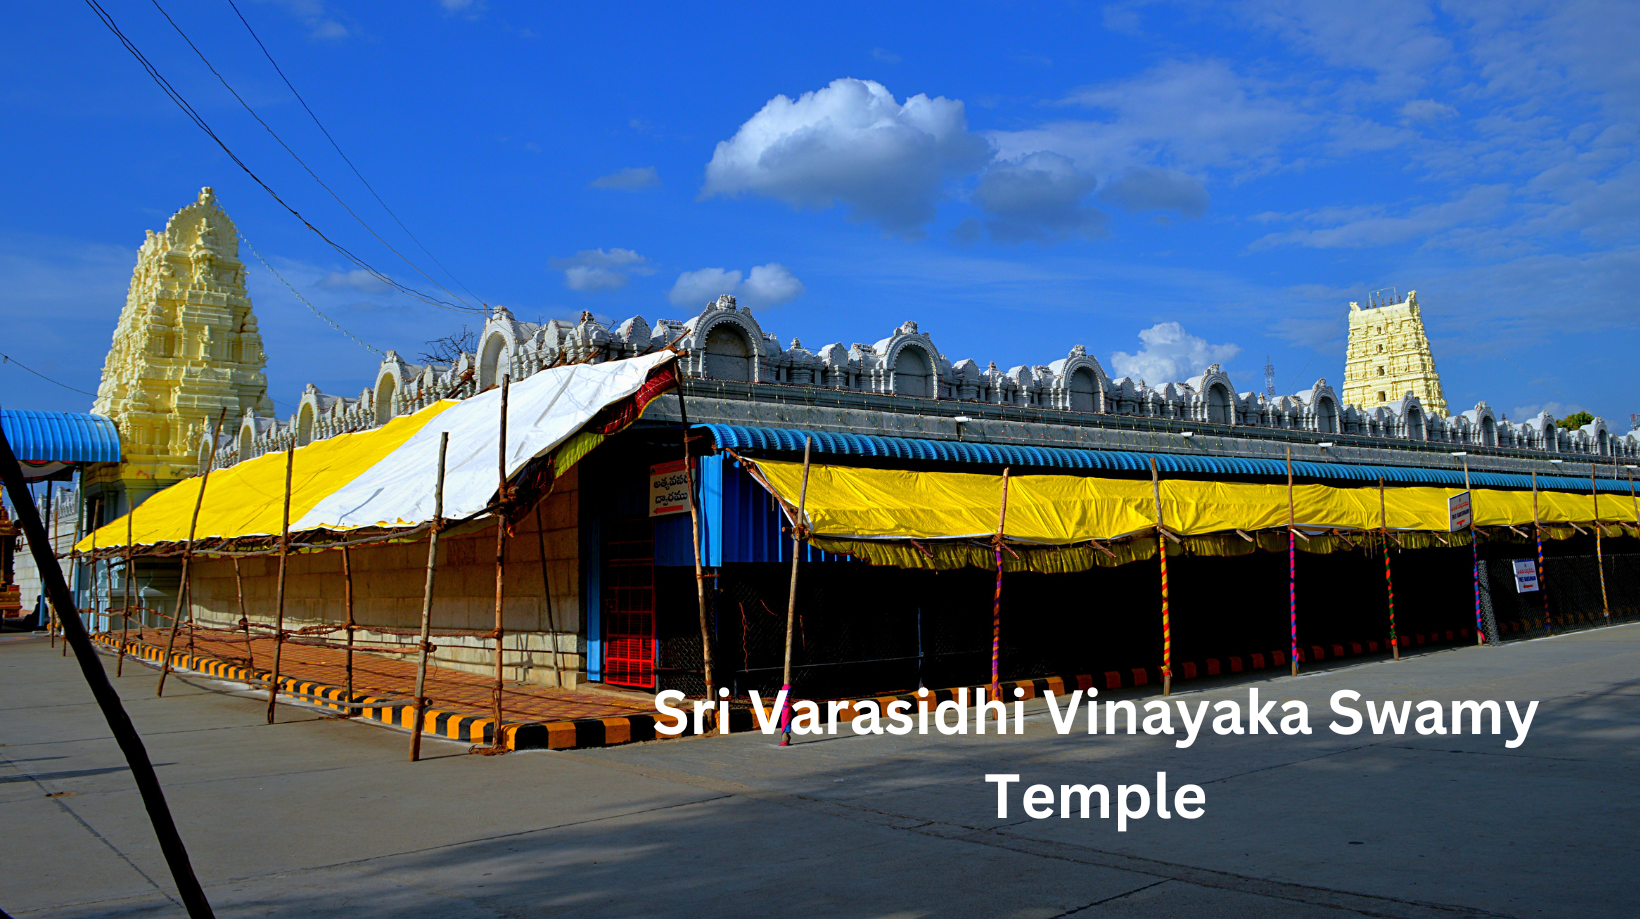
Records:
x=387, y=591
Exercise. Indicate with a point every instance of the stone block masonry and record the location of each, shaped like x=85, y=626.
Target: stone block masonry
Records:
x=387, y=592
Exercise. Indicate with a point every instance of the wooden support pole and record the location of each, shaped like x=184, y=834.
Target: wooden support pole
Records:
x=427, y=602
x=187, y=561
x=279, y=591
x=108, y=701
x=700, y=575
x=799, y=533
x=51, y=543
x=1599, y=557
x=347, y=604
x=1292, y=564
x=1389, y=577
x=1161, y=550
x=1474, y=555
x=1543, y=577
x=500, y=566
x=996, y=603
x=546, y=593
x=244, y=615
x=130, y=576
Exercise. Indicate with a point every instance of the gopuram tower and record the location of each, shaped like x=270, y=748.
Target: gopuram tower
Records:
x=185, y=348
x=1389, y=357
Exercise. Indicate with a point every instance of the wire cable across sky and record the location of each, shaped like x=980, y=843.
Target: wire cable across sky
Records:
x=199, y=121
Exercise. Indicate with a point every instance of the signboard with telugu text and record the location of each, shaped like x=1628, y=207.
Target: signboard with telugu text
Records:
x=1526, y=575
x=1458, y=514
x=668, y=488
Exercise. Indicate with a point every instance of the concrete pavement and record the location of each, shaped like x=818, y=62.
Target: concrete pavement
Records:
x=323, y=816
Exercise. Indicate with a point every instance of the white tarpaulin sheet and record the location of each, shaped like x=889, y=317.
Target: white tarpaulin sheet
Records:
x=542, y=411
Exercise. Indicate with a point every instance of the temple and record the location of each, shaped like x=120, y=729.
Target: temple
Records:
x=606, y=576
x=185, y=350
x=1388, y=356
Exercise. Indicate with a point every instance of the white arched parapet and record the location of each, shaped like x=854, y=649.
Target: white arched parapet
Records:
x=726, y=343
x=1321, y=409
x=1597, y=437
x=910, y=364
x=497, y=345
x=1483, y=425
x=1411, y=418
x=1215, y=396
x=1079, y=382
x=391, y=377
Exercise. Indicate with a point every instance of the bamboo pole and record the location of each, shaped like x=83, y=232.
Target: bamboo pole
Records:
x=108, y=701
x=1389, y=577
x=187, y=560
x=996, y=604
x=427, y=602
x=74, y=557
x=1161, y=549
x=1292, y=564
x=130, y=575
x=1599, y=557
x=546, y=594
x=244, y=617
x=1543, y=577
x=694, y=525
x=1474, y=553
x=279, y=593
x=799, y=532
x=51, y=543
x=347, y=603
x=500, y=563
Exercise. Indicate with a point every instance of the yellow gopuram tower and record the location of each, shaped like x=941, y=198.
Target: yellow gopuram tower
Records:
x=1389, y=356
x=186, y=347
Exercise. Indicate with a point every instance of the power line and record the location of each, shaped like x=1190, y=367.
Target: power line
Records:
x=294, y=156
x=303, y=300
x=199, y=121
x=42, y=375
x=343, y=156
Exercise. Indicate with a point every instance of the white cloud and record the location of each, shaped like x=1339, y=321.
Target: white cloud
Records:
x=770, y=285
x=1038, y=198
x=1555, y=408
x=1373, y=229
x=1183, y=114
x=1426, y=110
x=601, y=270
x=358, y=280
x=1143, y=189
x=850, y=142
x=700, y=286
x=766, y=286
x=629, y=179
x=1170, y=354
x=318, y=20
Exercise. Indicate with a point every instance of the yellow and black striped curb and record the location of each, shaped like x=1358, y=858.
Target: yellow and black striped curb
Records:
x=454, y=725
x=562, y=735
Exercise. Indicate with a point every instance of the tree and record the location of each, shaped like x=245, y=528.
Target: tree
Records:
x=1574, y=421
x=446, y=350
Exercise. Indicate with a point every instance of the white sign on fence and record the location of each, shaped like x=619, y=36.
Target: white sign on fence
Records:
x=1458, y=516
x=668, y=488
x=1526, y=575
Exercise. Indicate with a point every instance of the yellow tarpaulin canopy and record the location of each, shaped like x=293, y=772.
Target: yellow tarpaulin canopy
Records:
x=248, y=499
x=883, y=504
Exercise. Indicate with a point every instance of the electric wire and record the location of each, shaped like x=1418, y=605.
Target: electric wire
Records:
x=280, y=71
x=199, y=121
x=299, y=297
x=7, y=359
x=322, y=184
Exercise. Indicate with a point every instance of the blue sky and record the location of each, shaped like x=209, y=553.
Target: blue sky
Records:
x=1169, y=184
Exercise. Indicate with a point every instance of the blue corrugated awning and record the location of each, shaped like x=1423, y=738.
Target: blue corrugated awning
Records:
x=50, y=436
x=780, y=439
